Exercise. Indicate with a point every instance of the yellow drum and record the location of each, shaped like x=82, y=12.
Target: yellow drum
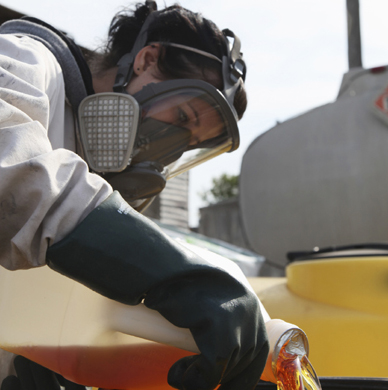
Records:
x=342, y=305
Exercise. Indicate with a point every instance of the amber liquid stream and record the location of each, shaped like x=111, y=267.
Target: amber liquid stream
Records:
x=145, y=366
x=295, y=373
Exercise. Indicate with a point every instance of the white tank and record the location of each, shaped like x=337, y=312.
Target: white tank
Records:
x=320, y=179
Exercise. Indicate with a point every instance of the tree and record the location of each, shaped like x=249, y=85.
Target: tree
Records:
x=225, y=187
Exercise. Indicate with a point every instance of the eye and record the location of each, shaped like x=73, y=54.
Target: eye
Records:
x=183, y=118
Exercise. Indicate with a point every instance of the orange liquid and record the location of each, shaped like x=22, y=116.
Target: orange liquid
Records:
x=295, y=373
x=137, y=366
x=145, y=366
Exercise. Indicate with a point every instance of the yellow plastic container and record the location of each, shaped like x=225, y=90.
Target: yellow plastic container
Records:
x=95, y=341
x=342, y=305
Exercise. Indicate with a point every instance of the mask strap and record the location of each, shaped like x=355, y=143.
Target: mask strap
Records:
x=188, y=48
x=125, y=64
x=151, y=5
x=233, y=67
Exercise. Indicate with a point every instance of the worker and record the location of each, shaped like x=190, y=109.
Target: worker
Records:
x=75, y=177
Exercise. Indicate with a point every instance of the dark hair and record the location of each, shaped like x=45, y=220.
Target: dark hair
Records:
x=177, y=25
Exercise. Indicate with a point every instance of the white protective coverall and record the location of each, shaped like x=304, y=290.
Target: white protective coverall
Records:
x=45, y=188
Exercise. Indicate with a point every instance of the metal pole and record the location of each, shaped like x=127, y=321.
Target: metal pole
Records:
x=354, y=35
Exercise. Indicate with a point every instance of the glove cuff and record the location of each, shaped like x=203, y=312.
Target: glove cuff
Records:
x=121, y=254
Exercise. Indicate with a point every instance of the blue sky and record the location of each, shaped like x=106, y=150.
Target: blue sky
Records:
x=296, y=51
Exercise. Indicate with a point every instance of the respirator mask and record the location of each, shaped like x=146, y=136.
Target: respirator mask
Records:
x=138, y=142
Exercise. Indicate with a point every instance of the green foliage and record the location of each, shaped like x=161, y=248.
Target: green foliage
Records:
x=225, y=187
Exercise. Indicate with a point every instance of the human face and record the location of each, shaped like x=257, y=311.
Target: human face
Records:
x=183, y=110
x=189, y=112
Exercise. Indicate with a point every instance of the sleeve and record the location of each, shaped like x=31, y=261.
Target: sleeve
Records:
x=44, y=193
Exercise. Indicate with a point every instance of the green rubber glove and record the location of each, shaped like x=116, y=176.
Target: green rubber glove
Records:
x=124, y=256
